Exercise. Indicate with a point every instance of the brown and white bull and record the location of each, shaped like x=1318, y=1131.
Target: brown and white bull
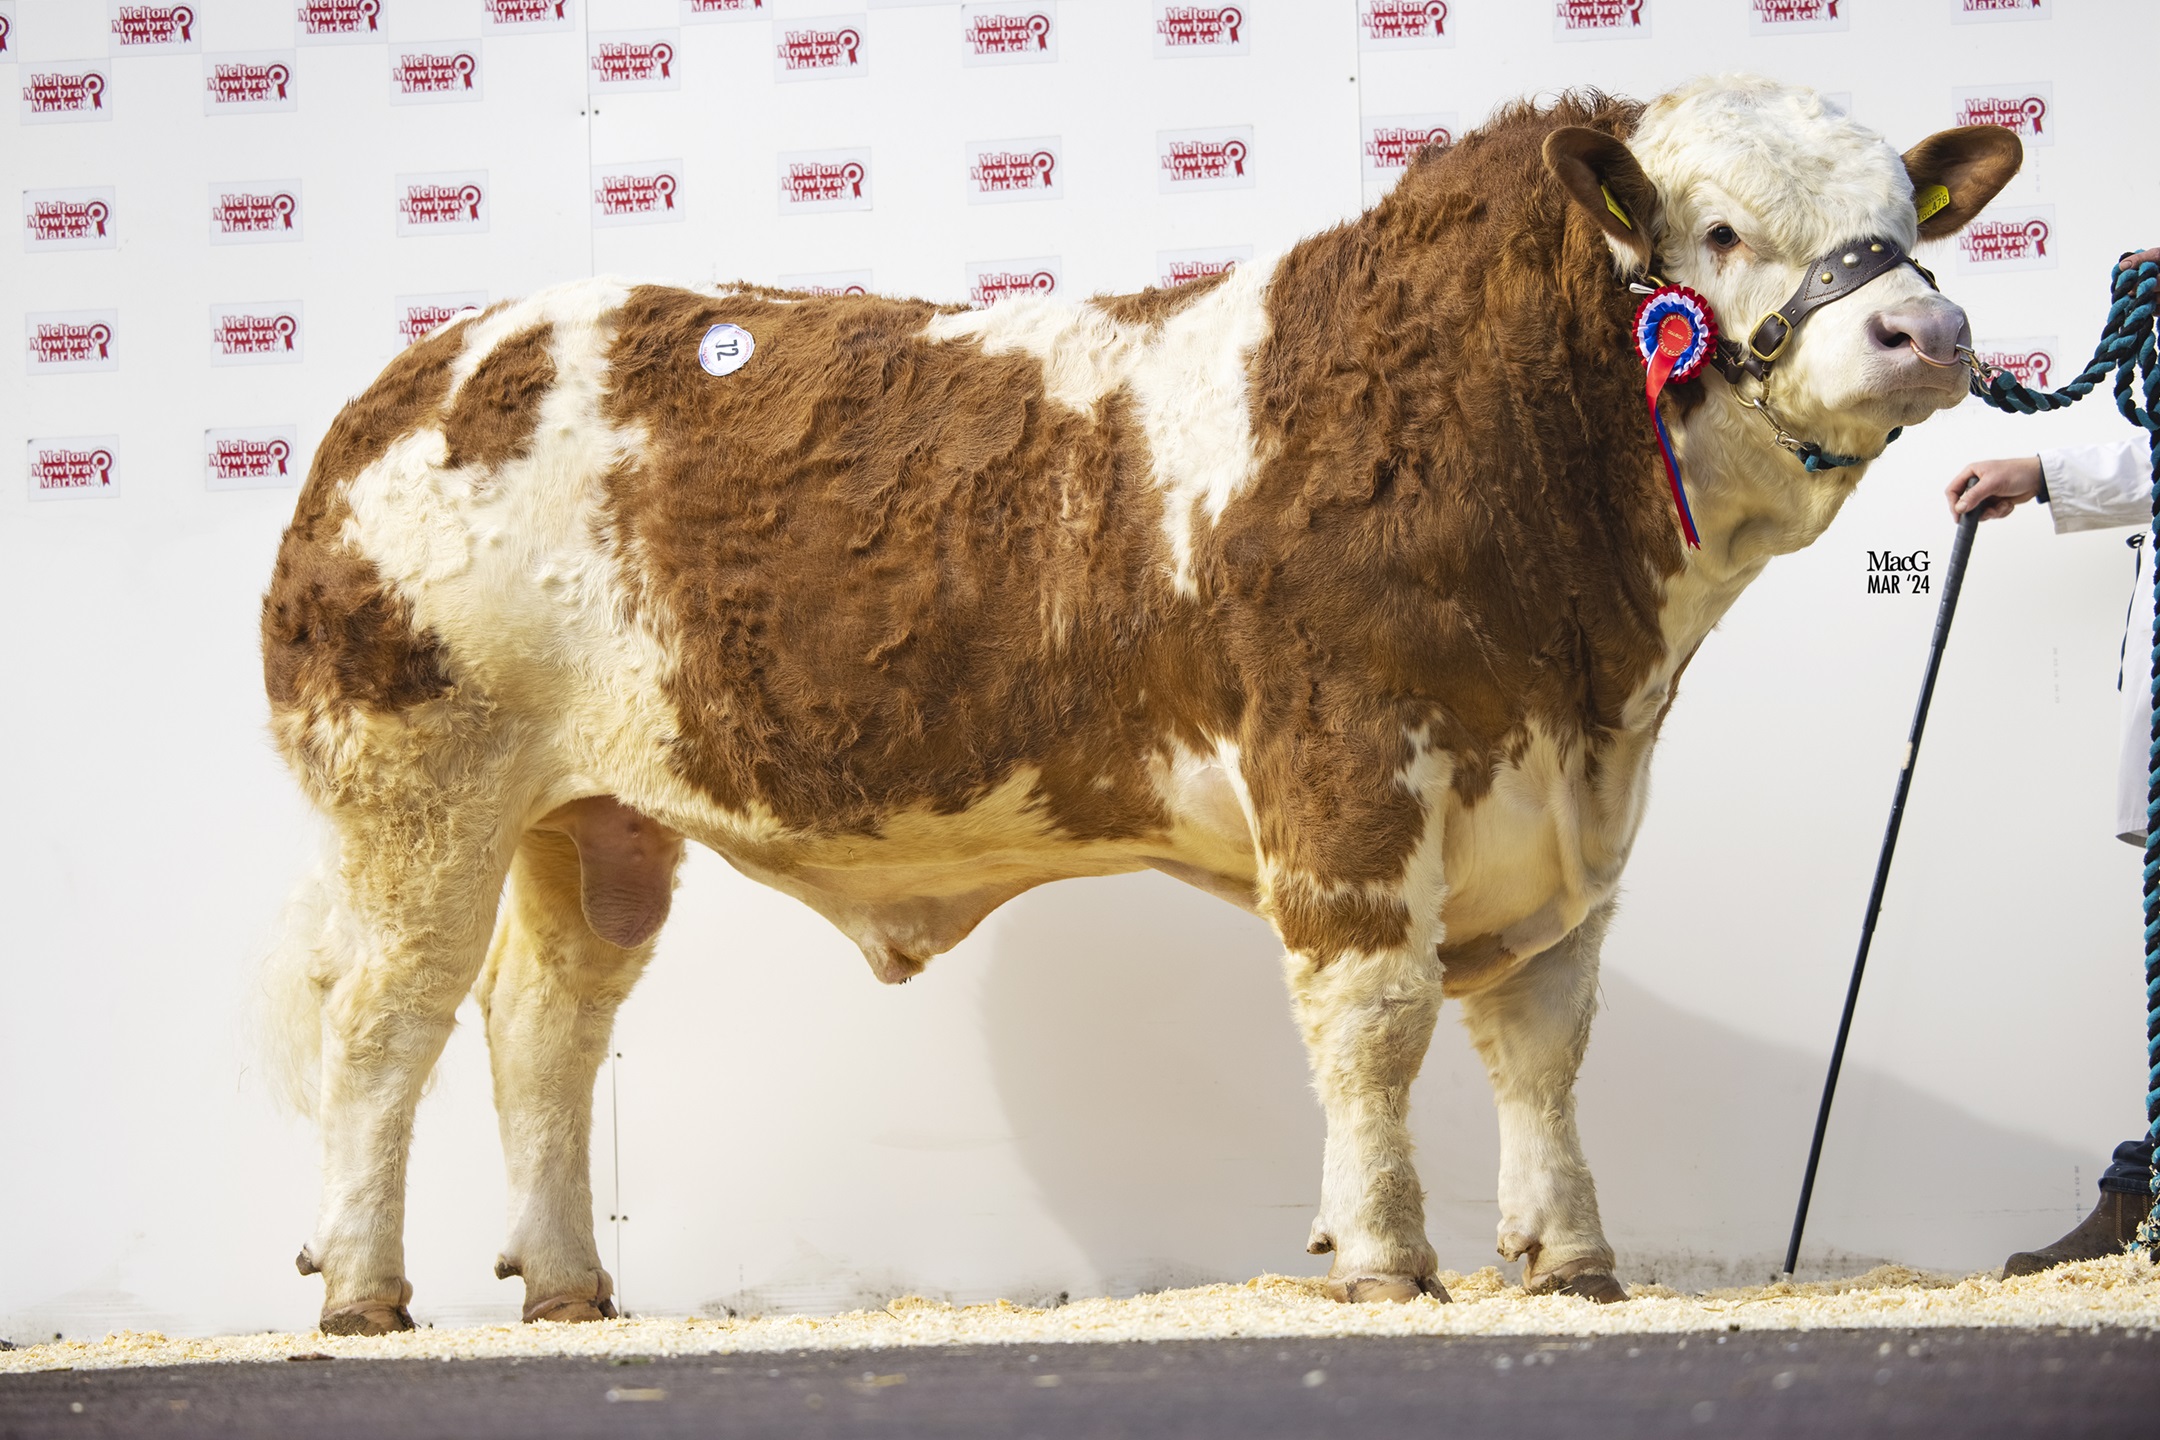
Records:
x=1346, y=586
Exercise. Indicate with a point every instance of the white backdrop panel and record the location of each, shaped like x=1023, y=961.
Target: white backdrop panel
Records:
x=1100, y=1090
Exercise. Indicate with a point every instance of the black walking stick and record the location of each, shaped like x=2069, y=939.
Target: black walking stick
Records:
x=1953, y=579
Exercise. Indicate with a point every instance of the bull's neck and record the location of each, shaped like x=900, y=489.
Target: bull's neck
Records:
x=1751, y=502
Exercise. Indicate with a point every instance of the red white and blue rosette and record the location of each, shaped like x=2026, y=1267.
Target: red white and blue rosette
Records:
x=1674, y=335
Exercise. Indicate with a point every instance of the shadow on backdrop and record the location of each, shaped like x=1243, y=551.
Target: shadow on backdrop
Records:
x=1142, y=1046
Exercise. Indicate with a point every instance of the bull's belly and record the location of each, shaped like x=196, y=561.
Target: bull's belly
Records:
x=923, y=880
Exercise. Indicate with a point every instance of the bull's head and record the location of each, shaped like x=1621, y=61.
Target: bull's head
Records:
x=1750, y=192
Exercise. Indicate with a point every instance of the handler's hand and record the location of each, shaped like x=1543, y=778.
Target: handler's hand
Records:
x=1998, y=485
x=2131, y=262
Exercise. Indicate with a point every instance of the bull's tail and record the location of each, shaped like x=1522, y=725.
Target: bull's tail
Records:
x=313, y=948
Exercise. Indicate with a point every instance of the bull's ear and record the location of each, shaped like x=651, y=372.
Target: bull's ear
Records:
x=1956, y=172
x=1601, y=175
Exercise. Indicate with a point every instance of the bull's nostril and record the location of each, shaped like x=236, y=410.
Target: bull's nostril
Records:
x=1886, y=336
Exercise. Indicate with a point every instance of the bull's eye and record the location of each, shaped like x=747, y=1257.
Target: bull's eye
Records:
x=1724, y=237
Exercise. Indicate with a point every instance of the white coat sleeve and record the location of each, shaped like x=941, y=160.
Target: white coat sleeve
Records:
x=2098, y=487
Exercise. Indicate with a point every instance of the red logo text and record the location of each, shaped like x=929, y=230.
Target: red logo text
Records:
x=1208, y=24
x=244, y=84
x=1405, y=19
x=60, y=468
x=1986, y=240
x=620, y=62
x=419, y=73
x=1391, y=147
x=2026, y=114
x=634, y=194
x=248, y=459
x=254, y=334
x=51, y=220
x=992, y=286
x=63, y=343
x=1204, y=159
x=339, y=17
x=62, y=92
x=1008, y=34
x=154, y=25
x=1599, y=14
x=244, y=214
x=811, y=181
x=1001, y=171
x=820, y=49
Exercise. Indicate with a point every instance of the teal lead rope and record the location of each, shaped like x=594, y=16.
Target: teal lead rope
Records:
x=2126, y=351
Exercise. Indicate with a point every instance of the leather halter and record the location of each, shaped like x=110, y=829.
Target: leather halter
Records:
x=1830, y=277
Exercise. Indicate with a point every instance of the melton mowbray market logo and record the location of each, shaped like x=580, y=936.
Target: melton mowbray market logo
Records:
x=154, y=25
x=60, y=467
x=2024, y=114
x=525, y=12
x=726, y=9
x=245, y=212
x=1183, y=270
x=427, y=72
x=633, y=62
x=988, y=286
x=1599, y=14
x=243, y=82
x=1007, y=172
x=1018, y=33
x=1393, y=147
x=1404, y=19
x=1186, y=162
x=7, y=29
x=635, y=194
x=811, y=47
x=429, y=203
x=815, y=182
x=2030, y=363
x=1794, y=12
x=419, y=314
x=1986, y=241
x=239, y=458
x=1182, y=26
x=339, y=17
x=66, y=342
x=62, y=92
x=240, y=335
x=55, y=221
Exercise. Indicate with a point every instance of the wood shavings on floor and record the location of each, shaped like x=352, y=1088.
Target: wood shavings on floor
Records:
x=2119, y=1293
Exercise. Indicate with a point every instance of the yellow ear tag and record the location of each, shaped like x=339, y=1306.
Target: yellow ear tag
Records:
x=1621, y=215
x=1930, y=200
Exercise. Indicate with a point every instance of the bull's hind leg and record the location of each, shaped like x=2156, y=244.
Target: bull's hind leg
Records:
x=420, y=868
x=588, y=891
x=1531, y=1029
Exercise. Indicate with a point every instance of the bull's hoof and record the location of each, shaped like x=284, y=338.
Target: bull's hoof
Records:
x=1373, y=1289
x=1587, y=1279
x=366, y=1317
x=569, y=1309
x=596, y=1303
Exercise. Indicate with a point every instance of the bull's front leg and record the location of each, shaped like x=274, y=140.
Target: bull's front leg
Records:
x=1351, y=850
x=1531, y=1028
x=1367, y=1018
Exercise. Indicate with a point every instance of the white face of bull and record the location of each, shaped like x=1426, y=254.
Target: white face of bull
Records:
x=1747, y=186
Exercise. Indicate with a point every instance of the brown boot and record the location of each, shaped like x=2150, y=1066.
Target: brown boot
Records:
x=2108, y=1230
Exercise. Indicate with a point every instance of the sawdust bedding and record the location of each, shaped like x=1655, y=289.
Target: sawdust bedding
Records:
x=2120, y=1293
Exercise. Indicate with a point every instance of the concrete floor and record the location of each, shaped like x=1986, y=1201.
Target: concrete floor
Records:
x=1838, y=1383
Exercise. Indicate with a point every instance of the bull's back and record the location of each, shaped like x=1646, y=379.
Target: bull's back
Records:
x=866, y=572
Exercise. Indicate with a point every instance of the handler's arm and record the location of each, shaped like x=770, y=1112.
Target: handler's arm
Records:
x=2086, y=487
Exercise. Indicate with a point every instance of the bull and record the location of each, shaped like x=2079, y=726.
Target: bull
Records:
x=1348, y=586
